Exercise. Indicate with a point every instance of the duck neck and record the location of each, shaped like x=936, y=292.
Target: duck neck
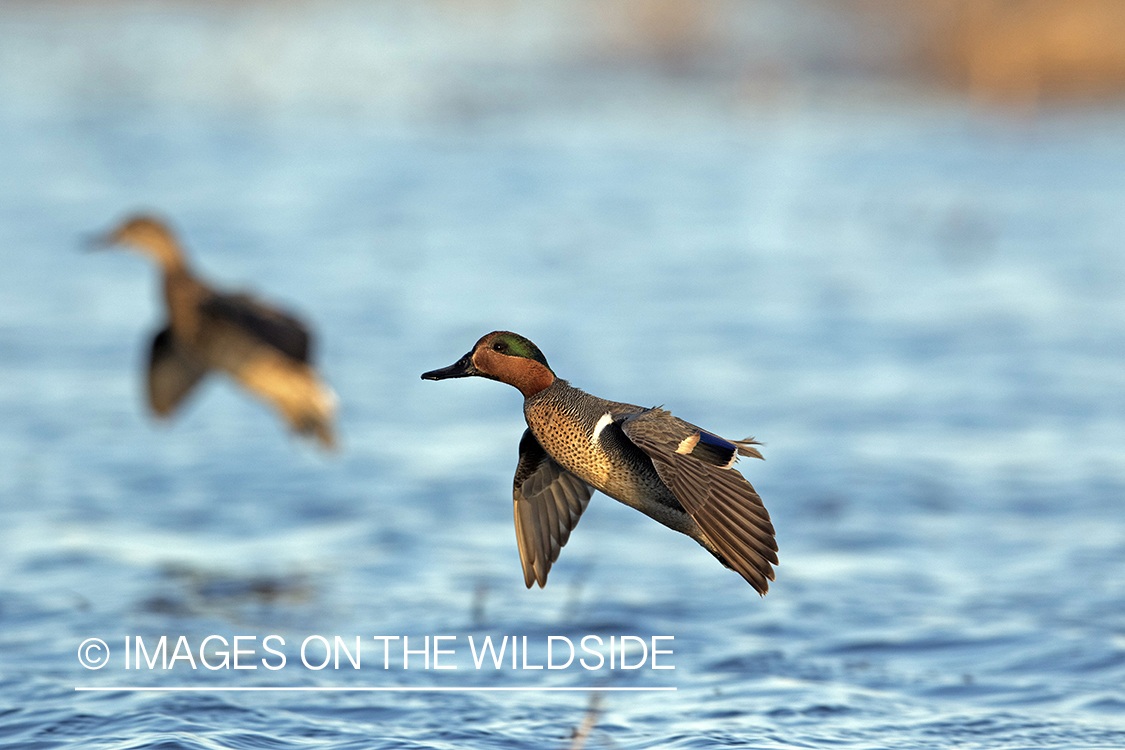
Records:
x=527, y=375
x=164, y=249
x=171, y=261
x=532, y=379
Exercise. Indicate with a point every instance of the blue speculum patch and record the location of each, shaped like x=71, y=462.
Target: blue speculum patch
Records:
x=714, y=450
x=706, y=437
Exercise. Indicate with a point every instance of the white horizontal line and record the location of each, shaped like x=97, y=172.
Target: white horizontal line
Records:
x=149, y=689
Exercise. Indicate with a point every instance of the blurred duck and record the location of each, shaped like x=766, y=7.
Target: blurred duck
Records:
x=666, y=468
x=266, y=350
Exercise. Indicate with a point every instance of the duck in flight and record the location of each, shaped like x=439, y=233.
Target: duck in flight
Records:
x=269, y=352
x=668, y=469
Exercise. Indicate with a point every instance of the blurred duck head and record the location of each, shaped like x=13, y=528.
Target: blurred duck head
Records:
x=146, y=235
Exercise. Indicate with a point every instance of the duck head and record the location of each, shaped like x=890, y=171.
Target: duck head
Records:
x=146, y=235
x=504, y=356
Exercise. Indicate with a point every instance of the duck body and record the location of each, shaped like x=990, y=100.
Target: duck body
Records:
x=572, y=428
x=648, y=459
x=265, y=350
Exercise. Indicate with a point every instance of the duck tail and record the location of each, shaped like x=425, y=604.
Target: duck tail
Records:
x=746, y=448
x=319, y=415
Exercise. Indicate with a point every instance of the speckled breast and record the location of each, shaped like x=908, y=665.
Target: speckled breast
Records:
x=566, y=435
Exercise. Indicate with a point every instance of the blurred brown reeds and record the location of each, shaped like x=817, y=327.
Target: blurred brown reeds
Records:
x=1006, y=51
x=1022, y=51
x=1009, y=51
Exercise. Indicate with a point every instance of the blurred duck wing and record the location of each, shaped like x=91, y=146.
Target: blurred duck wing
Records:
x=172, y=373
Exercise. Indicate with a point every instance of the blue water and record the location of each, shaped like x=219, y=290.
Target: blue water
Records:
x=917, y=306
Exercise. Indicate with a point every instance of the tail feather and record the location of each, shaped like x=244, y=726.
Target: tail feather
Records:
x=746, y=448
x=320, y=408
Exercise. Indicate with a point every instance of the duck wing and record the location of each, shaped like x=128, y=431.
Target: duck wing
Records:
x=698, y=467
x=172, y=373
x=548, y=500
x=274, y=328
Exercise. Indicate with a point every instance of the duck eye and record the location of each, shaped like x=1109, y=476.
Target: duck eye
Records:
x=498, y=346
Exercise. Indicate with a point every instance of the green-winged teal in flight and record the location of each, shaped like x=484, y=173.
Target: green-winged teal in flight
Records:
x=269, y=352
x=668, y=469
